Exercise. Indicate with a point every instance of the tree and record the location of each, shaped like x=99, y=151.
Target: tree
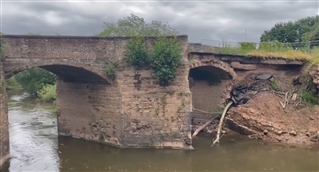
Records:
x=305, y=29
x=134, y=26
x=34, y=79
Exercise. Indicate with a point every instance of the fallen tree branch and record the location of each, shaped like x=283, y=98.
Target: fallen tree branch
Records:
x=202, y=127
x=221, y=122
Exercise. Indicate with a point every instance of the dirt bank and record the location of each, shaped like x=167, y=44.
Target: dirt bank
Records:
x=272, y=108
x=276, y=108
x=264, y=118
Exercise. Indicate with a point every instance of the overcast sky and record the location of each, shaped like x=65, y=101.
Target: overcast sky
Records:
x=215, y=20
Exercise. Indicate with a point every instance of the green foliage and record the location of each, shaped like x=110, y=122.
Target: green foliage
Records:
x=265, y=46
x=246, y=47
x=47, y=93
x=12, y=83
x=310, y=97
x=166, y=57
x=134, y=25
x=136, y=52
x=228, y=49
x=110, y=69
x=242, y=49
x=274, y=84
x=305, y=29
x=34, y=79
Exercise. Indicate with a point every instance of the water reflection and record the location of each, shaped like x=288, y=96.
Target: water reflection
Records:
x=35, y=146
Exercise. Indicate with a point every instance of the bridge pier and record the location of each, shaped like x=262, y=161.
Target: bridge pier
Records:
x=134, y=112
x=4, y=124
x=89, y=111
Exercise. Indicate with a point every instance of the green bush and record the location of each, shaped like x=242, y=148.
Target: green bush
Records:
x=246, y=47
x=47, y=93
x=136, y=53
x=34, y=79
x=12, y=83
x=310, y=98
x=166, y=58
x=265, y=46
x=110, y=69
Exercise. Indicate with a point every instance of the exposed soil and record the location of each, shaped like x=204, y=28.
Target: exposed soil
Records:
x=265, y=119
x=273, y=110
x=259, y=114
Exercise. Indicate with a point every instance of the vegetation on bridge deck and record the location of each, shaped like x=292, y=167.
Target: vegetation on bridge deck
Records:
x=290, y=40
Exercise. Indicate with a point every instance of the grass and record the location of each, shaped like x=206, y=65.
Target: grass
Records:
x=272, y=50
x=291, y=54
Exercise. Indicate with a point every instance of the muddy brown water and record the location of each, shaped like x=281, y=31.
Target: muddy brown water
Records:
x=36, y=146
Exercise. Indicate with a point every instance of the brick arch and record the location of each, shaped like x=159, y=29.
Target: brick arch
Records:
x=64, y=69
x=216, y=63
x=195, y=63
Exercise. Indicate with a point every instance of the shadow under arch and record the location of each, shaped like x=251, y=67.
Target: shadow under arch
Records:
x=208, y=85
x=67, y=73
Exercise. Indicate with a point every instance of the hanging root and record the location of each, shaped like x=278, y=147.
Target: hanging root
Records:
x=220, y=123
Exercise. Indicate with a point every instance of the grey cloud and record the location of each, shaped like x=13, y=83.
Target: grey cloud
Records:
x=199, y=20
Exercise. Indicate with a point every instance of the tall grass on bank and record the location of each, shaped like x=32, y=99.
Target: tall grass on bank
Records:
x=293, y=51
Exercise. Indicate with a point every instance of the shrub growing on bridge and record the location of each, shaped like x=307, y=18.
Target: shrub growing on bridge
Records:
x=164, y=59
x=136, y=52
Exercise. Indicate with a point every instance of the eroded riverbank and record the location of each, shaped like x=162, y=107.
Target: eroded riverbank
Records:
x=35, y=146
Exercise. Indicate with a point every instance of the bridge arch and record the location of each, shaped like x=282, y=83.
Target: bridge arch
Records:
x=210, y=81
x=87, y=99
x=66, y=70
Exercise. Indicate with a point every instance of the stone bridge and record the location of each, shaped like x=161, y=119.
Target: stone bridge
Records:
x=132, y=110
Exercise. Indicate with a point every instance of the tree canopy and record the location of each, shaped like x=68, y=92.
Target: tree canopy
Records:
x=34, y=79
x=134, y=25
x=306, y=29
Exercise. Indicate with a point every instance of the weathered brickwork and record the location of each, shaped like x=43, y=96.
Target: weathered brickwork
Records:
x=131, y=111
x=4, y=130
x=89, y=111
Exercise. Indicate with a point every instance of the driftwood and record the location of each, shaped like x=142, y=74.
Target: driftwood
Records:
x=204, y=125
x=220, y=123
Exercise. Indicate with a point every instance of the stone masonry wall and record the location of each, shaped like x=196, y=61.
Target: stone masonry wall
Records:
x=132, y=111
x=4, y=125
x=156, y=116
x=90, y=112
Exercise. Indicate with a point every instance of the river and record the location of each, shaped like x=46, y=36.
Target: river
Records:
x=36, y=146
